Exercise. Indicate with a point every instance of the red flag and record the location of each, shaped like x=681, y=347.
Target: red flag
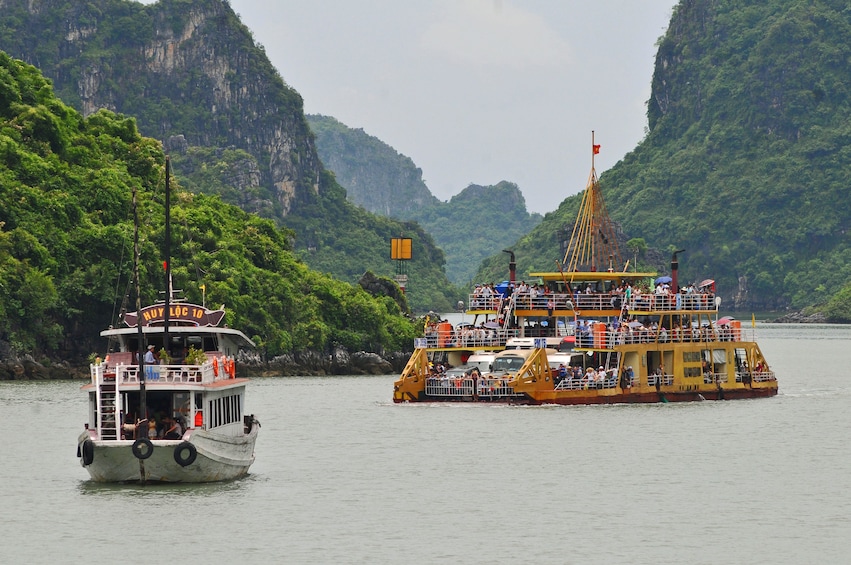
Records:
x=596, y=149
x=165, y=265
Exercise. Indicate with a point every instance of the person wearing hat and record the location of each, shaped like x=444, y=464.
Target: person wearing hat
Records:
x=150, y=361
x=150, y=356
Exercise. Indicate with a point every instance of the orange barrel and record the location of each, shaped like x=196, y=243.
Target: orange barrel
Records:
x=736, y=326
x=599, y=335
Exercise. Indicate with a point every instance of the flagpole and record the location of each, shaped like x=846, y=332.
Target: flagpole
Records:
x=594, y=149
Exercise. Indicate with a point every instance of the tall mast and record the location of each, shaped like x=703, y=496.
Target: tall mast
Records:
x=167, y=251
x=143, y=407
x=593, y=244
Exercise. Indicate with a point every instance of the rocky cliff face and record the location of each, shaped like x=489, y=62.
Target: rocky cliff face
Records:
x=191, y=75
x=374, y=174
x=148, y=61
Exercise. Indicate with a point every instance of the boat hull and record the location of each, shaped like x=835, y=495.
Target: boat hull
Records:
x=217, y=458
x=648, y=397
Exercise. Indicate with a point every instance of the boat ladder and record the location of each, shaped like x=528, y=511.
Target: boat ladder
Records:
x=508, y=311
x=107, y=396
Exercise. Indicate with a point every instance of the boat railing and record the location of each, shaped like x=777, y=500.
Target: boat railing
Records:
x=449, y=386
x=494, y=388
x=582, y=383
x=173, y=374
x=660, y=380
x=592, y=338
x=581, y=302
x=665, y=302
x=465, y=386
x=466, y=337
x=756, y=376
x=765, y=376
x=715, y=378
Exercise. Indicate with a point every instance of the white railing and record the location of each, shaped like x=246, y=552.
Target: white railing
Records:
x=764, y=376
x=589, y=339
x=583, y=383
x=661, y=380
x=177, y=374
x=466, y=337
x=715, y=378
x=494, y=388
x=447, y=386
x=596, y=301
x=464, y=386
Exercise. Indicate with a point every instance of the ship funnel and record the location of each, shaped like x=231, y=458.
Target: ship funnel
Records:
x=675, y=265
x=512, y=267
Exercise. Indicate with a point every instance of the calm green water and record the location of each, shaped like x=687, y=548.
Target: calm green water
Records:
x=344, y=476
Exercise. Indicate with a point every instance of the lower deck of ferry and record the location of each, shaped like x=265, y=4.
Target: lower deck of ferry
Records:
x=630, y=373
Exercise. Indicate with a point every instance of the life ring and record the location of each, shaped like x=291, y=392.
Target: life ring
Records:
x=189, y=457
x=232, y=368
x=143, y=448
x=88, y=452
x=216, y=366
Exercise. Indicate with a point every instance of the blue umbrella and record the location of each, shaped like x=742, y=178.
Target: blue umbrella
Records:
x=665, y=279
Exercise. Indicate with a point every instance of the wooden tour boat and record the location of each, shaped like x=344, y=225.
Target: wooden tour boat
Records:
x=179, y=420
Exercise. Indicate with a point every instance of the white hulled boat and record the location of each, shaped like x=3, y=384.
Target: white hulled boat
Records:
x=201, y=393
x=179, y=420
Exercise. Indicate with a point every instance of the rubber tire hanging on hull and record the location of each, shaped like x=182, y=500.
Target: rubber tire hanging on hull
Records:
x=190, y=457
x=143, y=453
x=87, y=452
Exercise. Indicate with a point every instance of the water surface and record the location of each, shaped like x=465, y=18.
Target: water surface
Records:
x=345, y=476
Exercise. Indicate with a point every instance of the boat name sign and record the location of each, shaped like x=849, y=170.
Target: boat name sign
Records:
x=191, y=313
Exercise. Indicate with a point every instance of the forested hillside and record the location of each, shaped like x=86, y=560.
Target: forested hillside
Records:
x=374, y=175
x=477, y=222
x=66, y=235
x=192, y=76
x=746, y=162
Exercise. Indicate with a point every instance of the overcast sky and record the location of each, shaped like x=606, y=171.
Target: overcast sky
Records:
x=475, y=91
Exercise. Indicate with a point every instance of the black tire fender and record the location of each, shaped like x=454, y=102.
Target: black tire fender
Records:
x=185, y=454
x=87, y=452
x=143, y=448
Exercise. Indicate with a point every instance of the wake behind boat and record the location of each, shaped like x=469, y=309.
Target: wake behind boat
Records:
x=590, y=333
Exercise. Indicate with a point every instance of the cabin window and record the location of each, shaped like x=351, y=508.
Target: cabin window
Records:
x=508, y=364
x=691, y=357
x=225, y=410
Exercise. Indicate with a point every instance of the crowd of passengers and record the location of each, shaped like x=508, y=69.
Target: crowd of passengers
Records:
x=444, y=335
x=639, y=297
x=158, y=425
x=631, y=330
x=571, y=376
x=589, y=378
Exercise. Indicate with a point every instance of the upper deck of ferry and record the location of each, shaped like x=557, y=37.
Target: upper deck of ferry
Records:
x=553, y=308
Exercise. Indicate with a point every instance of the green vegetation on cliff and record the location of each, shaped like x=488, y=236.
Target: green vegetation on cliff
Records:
x=745, y=162
x=477, y=222
x=66, y=241
x=191, y=75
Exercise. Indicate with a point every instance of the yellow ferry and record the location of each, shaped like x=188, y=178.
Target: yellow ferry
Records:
x=591, y=333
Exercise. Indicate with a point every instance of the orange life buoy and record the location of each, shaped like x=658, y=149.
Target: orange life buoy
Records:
x=216, y=366
x=232, y=368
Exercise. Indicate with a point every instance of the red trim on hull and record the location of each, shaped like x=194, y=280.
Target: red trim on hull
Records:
x=623, y=398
